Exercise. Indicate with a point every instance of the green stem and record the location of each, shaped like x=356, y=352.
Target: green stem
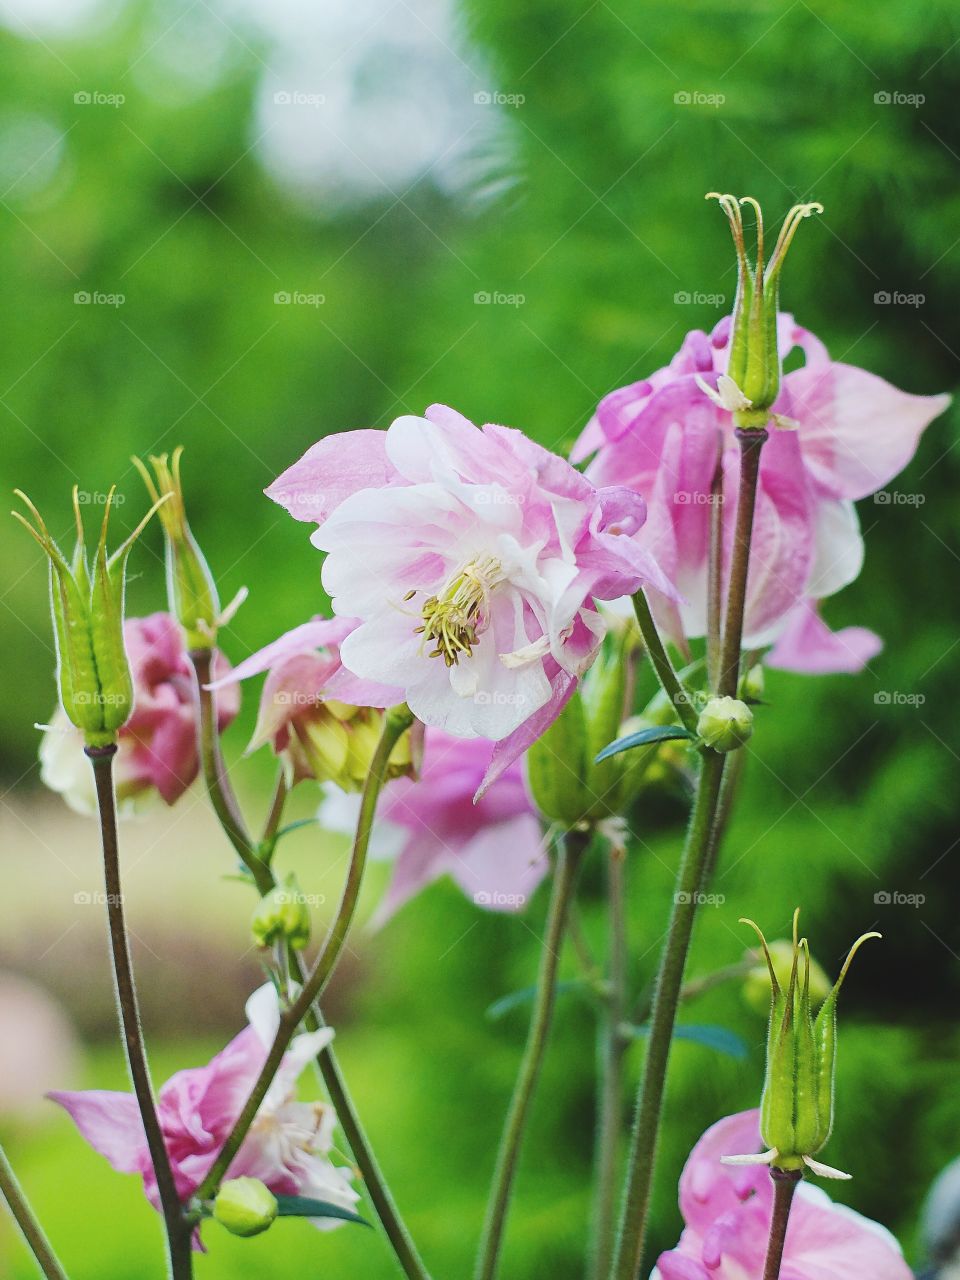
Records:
x=643, y=1145
x=668, y=678
x=375, y=1185
x=268, y=841
x=396, y=722
x=751, y=443
x=564, y=880
x=785, y=1182
x=25, y=1219
x=715, y=571
x=177, y=1227
x=611, y=1049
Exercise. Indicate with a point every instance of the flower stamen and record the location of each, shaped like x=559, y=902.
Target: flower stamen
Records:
x=454, y=620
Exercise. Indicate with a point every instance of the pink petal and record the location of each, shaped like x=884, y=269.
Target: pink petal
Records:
x=809, y=646
x=511, y=748
x=111, y=1123
x=318, y=633
x=856, y=430
x=331, y=470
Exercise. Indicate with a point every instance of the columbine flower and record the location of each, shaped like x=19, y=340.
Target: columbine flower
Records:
x=727, y=1216
x=288, y=1146
x=321, y=721
x=493, y=849
x=157, y=747
x=854, y=432
x=472, y=559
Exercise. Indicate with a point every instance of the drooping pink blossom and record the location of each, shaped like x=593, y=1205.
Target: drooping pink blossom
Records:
x=726, y=1211
x=853, y=433
x=472, y=559
x=310, y=705
x=493, y=849
x=289, y=1143
x=157, y=747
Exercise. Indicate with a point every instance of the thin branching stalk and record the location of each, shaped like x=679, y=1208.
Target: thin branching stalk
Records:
x=669, y=680
x=177, y=1228
x=26, y=1220
x=564, y=880
x=785, y=1183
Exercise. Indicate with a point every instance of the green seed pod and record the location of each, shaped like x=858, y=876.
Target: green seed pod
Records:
x=191, y=591
x=93, y=675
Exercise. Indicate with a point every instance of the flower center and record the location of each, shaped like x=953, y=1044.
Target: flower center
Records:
x=454, y=619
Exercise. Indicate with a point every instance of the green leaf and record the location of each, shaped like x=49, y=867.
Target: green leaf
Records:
x=711, y=1037
x=294, y=826
x=516, y=999
x=302, y=1207
x=644, y=737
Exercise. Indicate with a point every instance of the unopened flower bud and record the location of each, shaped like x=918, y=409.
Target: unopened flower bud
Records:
x=752, y=380
x=335, y=742
x=752, y=684
x=282, y=915
x=191, y=591
x=725, y=723
x=93, y=674
x=796, y=1109
x=245, y=1207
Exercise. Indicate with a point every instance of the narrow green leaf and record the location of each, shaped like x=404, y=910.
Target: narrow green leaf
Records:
x=711, y=1037
x=302, y=1207
x=643, y=738
x=516, y=999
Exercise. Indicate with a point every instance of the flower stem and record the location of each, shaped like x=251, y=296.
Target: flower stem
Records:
x=668, y=678
x=715, y=571
x=751, y=443
x=396, y=722
x=785, y=1182
x=611, y=1049
x=643, y=1145
x=375, y=1185
x=25, y=1219
x=564, y=879
x=177, y=1228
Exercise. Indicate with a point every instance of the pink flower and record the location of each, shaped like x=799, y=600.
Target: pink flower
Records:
x=493, y=849
x=157, y=747
x=727, y=1215
x=853, y=434
x=313, y=711
x=287, y=1147
x=472, y=559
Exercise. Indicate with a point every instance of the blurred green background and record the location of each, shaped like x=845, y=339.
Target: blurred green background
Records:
x=385, y=167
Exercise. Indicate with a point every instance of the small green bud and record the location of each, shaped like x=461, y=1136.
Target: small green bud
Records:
x=752, y=381
x=282, y=915
x=567, y=784
x=752, y=684
x=245, y=1207
x=796, y=1109
x=725, y=723
x=86, y=598
x=191, y=591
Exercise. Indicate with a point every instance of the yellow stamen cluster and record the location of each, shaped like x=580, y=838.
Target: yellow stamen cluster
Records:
x=454, y=619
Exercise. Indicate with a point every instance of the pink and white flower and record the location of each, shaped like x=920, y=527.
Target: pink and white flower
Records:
x=852, y=433
x=472, y=560
x=726, y=1211
x=493, y=849
x=288, y=1146
x=157, y=747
